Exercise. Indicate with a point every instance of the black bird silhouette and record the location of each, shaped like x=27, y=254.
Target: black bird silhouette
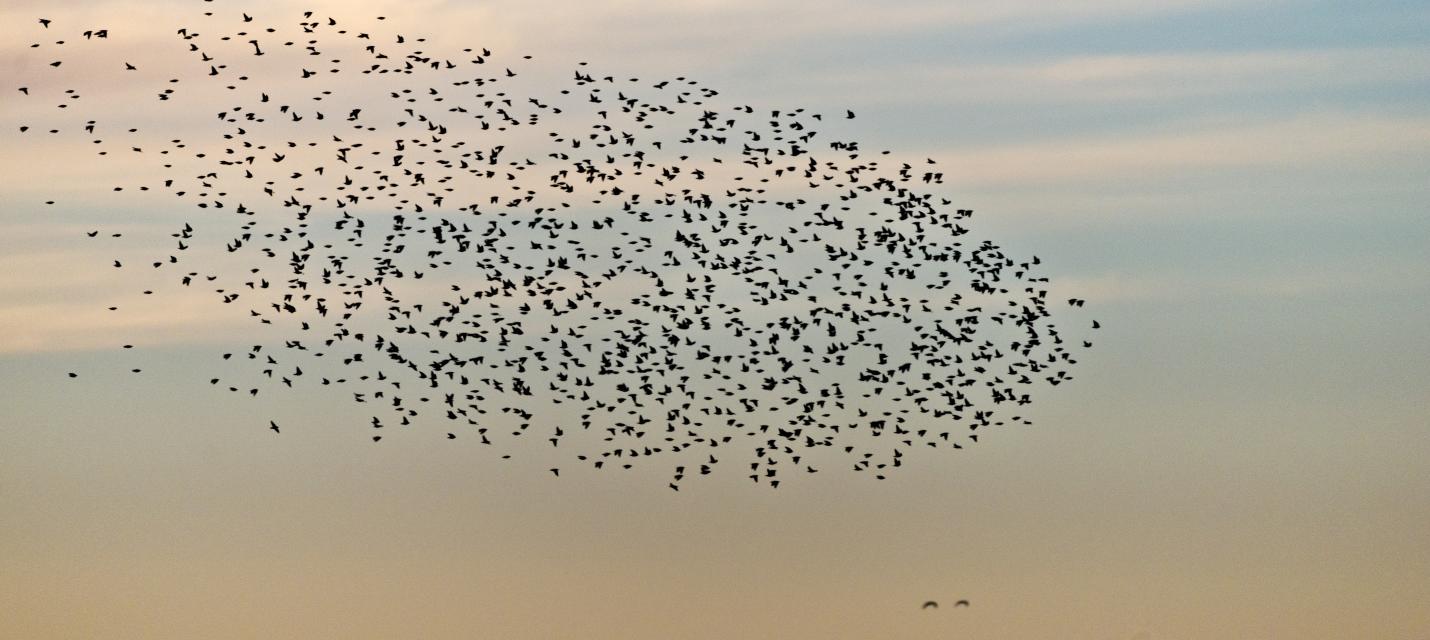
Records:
x=930, y=605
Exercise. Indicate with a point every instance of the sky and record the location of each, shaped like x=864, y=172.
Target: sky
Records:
x=1238, y=190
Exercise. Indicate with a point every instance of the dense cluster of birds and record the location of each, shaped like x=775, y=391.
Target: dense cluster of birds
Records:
x=623, y=269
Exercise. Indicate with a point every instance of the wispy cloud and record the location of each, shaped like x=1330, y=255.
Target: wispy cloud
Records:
x=657, y=34
x=1121, y=167
x=1300, y=281
x=82, y=325
x=1310, y=140
x=1144, y=77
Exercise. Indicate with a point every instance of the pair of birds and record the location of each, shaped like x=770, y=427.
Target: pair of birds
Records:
x=934, y=605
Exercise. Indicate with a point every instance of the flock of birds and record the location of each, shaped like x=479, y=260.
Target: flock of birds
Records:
x=619, y=269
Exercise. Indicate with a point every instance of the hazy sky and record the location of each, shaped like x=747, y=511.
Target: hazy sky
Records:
x=1237, y=188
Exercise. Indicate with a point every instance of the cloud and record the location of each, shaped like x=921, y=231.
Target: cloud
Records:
x=1145, y=77
x=74, y=326
x=59, y=299
x=653, y=33
x=1299, y=142
x=1251, y=281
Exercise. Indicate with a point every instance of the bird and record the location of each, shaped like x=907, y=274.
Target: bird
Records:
x=930, y=605
x=961, y=603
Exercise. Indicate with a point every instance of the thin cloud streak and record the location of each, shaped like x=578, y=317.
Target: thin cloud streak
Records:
x=1123, y=78
x=1184, y=287
x=81, y=326
x=1309, y=140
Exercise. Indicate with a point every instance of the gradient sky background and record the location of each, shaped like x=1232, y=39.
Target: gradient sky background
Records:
x=1238, y=188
